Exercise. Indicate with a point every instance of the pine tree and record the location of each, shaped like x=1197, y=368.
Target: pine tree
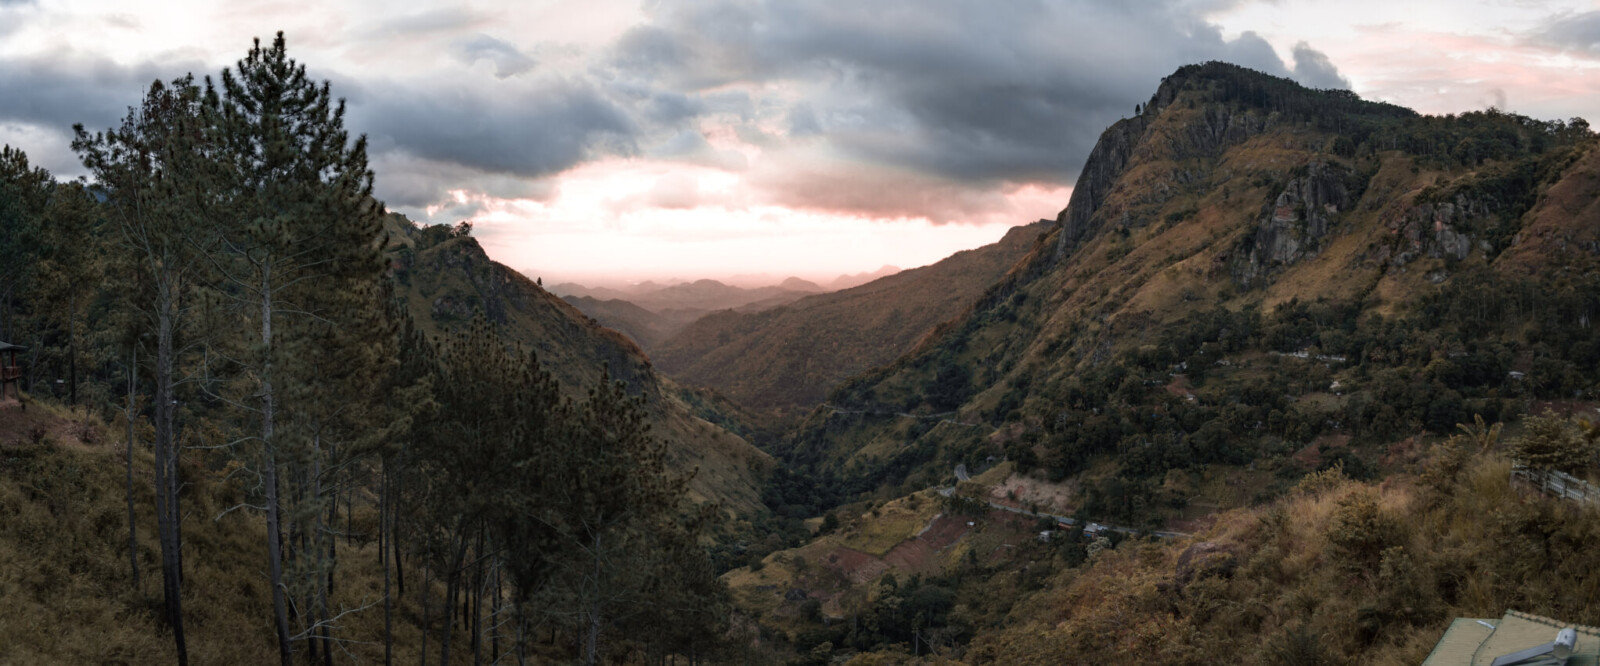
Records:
x=611, y=488
x=24, y=190
x=302, y=226
x=150, y=171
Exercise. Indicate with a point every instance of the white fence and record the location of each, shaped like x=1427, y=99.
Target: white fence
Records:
x=1559, y=484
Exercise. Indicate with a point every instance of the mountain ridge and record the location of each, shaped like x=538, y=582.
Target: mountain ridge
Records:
x=445, y=278
x=787, y=356
x=1236, y=202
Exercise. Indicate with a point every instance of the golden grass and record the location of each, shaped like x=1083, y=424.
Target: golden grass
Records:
x=66, y=593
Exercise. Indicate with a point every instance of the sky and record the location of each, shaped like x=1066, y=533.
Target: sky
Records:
x=603, y=141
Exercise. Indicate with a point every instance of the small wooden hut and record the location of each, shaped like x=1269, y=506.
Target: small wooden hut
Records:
x=10, y=372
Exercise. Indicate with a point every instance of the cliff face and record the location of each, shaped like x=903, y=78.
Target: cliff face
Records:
x=1294, y=224
x=1200, y=135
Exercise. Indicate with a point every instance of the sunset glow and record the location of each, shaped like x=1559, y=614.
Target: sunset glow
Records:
x=625, y=141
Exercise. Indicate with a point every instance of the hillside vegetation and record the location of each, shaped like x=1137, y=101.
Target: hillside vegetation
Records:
x=444, y=278
x=379, y=443
x=788, y=357
x=1252, y=273
x=1336, y=571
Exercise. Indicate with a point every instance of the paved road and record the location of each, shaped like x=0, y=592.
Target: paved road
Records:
x=961, y=474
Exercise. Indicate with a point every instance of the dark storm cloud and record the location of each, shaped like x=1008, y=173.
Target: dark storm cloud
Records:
x=527, y=131
x=974, y=91
x=1313, y=69
x=57, y=91
x=508, y=60
x=1572, y=32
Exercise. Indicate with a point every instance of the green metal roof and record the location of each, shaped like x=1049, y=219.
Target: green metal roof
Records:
x=6, y=346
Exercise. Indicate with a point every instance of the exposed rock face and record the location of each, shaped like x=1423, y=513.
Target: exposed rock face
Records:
x=1105, y=165
x=1292, y=226
x=1438, y=230
x=1216, y=127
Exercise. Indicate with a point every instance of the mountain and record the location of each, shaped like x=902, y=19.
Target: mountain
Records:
x=646, y=328
x=650, y=313
x=713, y=295
x=446, y=278
x=1263, y=347
x=1251, y=275
x=797, y=284
x=790, y=356
x=858, y=279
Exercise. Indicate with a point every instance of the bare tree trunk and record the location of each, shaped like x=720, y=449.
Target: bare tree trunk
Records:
x=166, y=500
x=280, y=611
x=133, y=536
x=72, y=349
x=475, y=622
x=452, y=593
x=592, y=649
x=426, y=576
x=331, y=563
x=384, y=534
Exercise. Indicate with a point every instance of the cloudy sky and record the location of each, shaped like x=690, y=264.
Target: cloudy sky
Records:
x=713, y=138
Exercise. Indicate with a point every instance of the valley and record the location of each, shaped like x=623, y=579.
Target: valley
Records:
x=1292, y=377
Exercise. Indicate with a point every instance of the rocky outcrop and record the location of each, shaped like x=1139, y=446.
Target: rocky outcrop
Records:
x=1439, y=230
x=1214, y=128
x=1293, y=225
x=1105, y=165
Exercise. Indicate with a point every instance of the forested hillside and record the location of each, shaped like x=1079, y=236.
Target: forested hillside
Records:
x=1250, y=273
x=443, y=278
x=1284, y=326
x=339, y=434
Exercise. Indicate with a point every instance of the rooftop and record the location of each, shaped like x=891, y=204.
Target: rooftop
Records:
x=1474, y=641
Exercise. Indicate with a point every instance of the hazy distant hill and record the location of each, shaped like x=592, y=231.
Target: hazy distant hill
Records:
x=858, y=279
x=649, y=313
x=446, y=278
x=645, y=327
x=790, y=356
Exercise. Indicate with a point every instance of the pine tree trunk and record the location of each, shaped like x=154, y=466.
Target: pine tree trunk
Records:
x=452, y=594
x=72, y=349
x=331, y=564
x=133, y=536
x=166, y=500
x=280, y=611
x=592, y=649
x=384, y=534
x=476, y=600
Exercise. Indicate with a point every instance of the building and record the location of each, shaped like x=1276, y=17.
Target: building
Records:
x=10, y=372
x=1518, y=639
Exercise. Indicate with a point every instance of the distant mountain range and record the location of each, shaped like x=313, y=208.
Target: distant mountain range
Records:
x=790, y=355
x=650, y=312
